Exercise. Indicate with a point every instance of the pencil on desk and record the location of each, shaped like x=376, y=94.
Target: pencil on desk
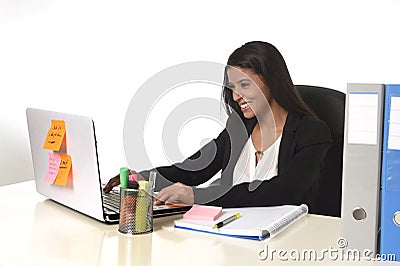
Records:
x=227, y=221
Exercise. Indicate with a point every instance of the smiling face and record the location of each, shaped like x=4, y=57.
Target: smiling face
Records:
x=249, y=91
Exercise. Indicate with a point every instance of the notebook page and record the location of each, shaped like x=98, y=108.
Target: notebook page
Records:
x=256, y=222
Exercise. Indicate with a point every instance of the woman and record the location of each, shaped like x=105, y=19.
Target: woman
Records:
x=271, y=150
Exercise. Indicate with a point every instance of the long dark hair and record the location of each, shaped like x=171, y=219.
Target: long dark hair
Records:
x=266, y=61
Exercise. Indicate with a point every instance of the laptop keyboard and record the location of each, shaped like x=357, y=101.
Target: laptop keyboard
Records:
x=111, y=200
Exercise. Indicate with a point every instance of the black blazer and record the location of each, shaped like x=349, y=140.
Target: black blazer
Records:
x=304, y=143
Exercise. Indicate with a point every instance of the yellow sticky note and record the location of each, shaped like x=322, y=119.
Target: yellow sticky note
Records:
x=53, y=163
x=55, y=135
x=63, y=171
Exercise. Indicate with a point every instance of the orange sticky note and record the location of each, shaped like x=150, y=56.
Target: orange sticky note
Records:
x=55, y=135
x=54, y=161
x=63, y=171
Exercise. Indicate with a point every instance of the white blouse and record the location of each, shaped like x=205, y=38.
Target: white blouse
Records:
x=246, y=169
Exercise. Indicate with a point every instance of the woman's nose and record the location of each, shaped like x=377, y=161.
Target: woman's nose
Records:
x=236, y=96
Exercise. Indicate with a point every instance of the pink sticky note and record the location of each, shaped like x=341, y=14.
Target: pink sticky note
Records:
x=201, y=212
x=54, y=161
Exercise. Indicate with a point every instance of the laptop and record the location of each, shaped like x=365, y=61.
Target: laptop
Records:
x=83, y=190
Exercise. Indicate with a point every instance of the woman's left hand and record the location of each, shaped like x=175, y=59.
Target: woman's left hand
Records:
x=175, y=193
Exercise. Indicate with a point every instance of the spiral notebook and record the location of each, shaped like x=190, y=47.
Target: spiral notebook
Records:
x=257, y=223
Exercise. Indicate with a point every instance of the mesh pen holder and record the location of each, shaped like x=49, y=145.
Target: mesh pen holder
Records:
x=136, y=211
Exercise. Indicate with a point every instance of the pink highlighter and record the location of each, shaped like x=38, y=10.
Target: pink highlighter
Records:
x=133, y=177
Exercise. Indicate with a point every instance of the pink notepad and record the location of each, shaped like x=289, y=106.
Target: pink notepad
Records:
x=201, y=212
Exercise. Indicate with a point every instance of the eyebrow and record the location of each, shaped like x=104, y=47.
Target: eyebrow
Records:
x=245, y=79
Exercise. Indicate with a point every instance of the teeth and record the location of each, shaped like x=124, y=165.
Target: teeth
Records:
x=244, y=105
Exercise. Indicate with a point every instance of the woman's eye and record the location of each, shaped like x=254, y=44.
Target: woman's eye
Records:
x=244, y=84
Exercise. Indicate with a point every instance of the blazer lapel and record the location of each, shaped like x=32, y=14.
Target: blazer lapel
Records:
x=287, y=146
x=239, y=131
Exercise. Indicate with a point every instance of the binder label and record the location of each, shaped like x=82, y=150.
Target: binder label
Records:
x=363, y=118
x=394, y=124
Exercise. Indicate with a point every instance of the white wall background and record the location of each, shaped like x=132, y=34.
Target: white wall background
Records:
x=89, y=57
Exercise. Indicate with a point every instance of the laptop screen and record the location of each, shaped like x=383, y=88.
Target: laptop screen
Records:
x=82, y=190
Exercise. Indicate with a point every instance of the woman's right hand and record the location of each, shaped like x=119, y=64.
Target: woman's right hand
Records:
x=113, y=182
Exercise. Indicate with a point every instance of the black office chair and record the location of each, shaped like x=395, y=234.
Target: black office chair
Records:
x=329, y=106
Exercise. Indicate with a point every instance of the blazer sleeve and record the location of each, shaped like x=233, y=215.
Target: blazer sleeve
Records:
x=196, y=169
x=312, y=139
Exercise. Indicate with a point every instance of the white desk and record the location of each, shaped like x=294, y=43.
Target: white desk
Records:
x=41, y=232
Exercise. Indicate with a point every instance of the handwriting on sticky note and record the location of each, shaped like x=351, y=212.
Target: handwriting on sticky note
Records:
x=63, y=171
x=54, y=161
x=55, y=135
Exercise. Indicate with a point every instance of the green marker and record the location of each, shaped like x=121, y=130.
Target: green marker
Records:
x=124, y=176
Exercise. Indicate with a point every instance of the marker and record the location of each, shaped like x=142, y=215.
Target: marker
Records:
x=142, y=205
x=125, y=201
x=227, y=221
x=133, y=177
x=124, y=176
x=143, y=184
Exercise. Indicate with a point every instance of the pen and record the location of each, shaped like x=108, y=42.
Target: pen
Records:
x=227, y=221
x=152, y=180
x=173, y=205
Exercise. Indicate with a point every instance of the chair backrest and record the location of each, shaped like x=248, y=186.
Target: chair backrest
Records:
x=329, y=106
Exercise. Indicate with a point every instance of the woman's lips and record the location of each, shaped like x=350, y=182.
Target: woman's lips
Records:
x=244, y=106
